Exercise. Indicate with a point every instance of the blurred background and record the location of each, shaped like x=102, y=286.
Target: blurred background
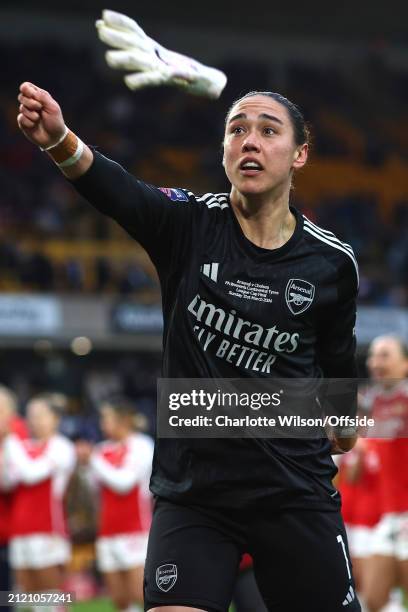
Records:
x=79, y=300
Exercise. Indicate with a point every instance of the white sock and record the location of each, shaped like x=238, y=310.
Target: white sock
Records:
x=362, y=603
x=395, y=602
x=397, y=595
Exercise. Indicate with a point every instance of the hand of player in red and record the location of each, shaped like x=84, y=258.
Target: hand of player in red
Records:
x=40, y=117
x=342, y=445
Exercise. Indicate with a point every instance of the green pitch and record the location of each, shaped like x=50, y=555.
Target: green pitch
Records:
x=104, y=605
x=96, y=605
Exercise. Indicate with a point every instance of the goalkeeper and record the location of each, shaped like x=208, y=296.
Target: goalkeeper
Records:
x=219, y=498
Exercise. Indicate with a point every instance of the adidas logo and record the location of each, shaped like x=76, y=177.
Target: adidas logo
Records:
x=349, y=597
x=210, y=270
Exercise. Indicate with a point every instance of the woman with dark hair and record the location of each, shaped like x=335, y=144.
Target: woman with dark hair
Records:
x=252, y=289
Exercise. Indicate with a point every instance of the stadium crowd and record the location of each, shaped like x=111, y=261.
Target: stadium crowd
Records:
x=359, y=137
x=51, y=241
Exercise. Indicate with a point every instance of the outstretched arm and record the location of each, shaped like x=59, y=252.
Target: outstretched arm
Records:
x=42, y=123
x=40, y=117
x=144, y=211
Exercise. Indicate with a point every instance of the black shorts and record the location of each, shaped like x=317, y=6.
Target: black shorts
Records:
x=301, y=558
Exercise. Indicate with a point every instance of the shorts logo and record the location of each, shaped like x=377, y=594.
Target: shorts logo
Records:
x=176, y=195
x=299, y=295
x=166, y=576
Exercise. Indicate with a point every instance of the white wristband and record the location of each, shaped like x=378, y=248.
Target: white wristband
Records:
x=66, y=130
x=75, y=157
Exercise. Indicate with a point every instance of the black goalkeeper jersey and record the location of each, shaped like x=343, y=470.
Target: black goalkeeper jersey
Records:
x=232, y=309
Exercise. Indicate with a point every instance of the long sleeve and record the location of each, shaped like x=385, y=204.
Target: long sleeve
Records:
x=336, y=334
x=20, y=467
x=337, y=346
x=159, y=222
x=136, y=468
x=8, y=475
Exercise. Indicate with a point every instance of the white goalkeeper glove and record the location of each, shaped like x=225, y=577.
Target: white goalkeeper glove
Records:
x=154, y=64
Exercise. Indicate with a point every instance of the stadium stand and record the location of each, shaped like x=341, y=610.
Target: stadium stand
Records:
x=355, y=183
x=53, y=244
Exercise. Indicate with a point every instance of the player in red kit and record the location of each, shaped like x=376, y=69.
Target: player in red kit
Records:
x=358, y=484
x=388, y=366
x=122, y=467
x=10, y=422
x=39, y=469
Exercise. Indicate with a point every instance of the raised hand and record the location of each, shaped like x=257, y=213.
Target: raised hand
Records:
x=40, y=117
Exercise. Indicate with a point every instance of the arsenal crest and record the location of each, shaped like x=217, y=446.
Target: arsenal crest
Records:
x=166, y=576
x=299, y=295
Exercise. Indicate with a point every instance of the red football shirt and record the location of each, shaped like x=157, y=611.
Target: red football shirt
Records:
x=40, y=472
x=18, y=427
x=390, y=411
x=360, y=499
x=123, y=470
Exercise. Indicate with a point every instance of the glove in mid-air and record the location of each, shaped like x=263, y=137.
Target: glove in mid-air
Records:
x=149, y=63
